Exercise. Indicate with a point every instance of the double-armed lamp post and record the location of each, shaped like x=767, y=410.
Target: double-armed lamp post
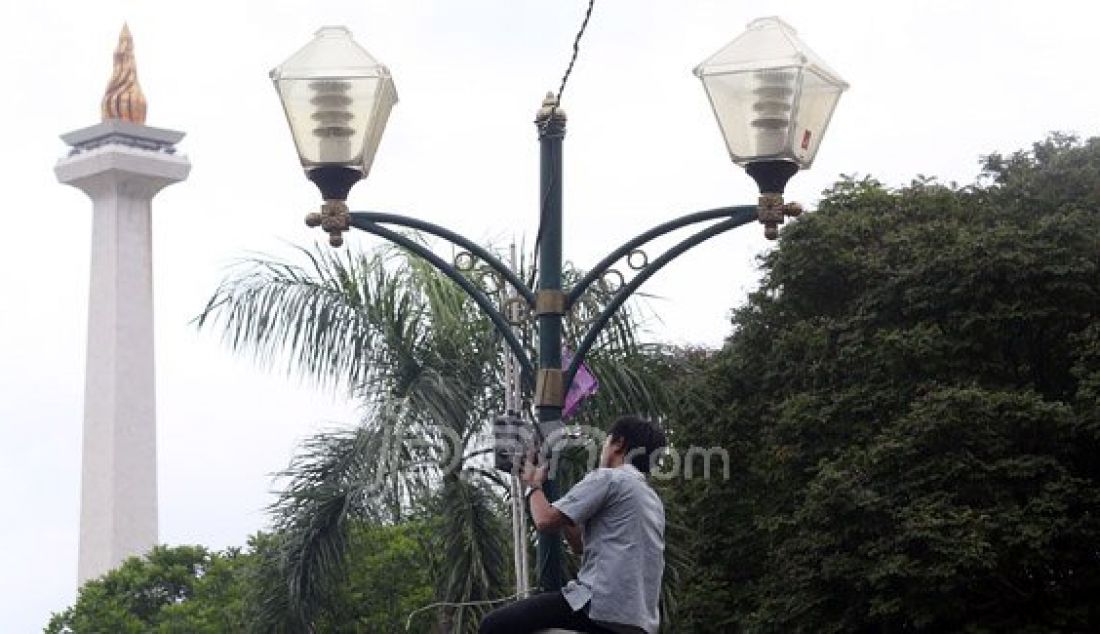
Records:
x=773, y=98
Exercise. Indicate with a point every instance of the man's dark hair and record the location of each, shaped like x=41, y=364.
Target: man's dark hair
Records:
x=641, y=440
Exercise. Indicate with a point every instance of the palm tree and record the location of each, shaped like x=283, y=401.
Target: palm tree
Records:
x=426, y=367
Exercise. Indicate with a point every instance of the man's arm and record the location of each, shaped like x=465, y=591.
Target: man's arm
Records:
x=548, y=519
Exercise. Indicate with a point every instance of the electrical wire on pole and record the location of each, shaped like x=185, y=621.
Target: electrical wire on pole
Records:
x=561, y=90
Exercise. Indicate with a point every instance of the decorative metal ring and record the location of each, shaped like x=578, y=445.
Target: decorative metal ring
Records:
x=465, y=261
x=637, y=259
x=613, y=273
x=516, y=310
x=485, y=274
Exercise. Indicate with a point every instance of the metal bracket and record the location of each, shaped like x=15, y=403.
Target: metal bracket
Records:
x=465, y=261
x=549, y=388
x=500, y=322
x=334, y=219
x=600, y=269
x=549, y=302
x=739, y=217
x=772, y=212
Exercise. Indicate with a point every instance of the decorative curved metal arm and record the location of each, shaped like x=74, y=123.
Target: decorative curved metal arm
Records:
x=738, y=217
x=597, y=271
x=474, y=248
x=361, y=221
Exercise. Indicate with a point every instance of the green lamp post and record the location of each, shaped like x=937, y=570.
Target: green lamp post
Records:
x=773, y=98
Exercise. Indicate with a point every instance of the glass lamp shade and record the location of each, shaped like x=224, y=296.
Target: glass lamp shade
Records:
x=337, y=99
x=772, y=95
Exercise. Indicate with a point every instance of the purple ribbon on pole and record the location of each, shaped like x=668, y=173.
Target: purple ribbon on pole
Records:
x=584, y=385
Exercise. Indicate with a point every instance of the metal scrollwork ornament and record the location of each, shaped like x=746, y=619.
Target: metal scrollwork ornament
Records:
x=465, y=261
x=489, y=280
x=516, y=310
x=620, y=281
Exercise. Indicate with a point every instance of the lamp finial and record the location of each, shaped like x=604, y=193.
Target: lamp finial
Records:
x=550, y=109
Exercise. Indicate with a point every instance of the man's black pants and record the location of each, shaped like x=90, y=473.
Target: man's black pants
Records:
x=538, y=612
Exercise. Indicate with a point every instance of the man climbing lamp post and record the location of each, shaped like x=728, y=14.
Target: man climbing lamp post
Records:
x=773, y=98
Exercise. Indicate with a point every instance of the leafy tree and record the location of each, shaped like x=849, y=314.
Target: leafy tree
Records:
x=909, y=403
x=191, y=590
x=426, y=365
x=180, y=589
x=389, y=577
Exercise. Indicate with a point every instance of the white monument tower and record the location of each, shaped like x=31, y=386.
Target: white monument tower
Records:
x=120, y=164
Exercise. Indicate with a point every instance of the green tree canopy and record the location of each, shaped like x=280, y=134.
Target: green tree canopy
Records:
x=910, y=406
x=179, y=589
x=192, y=590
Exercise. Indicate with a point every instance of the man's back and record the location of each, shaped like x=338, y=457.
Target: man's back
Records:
x=619, y=521
x=623, y=523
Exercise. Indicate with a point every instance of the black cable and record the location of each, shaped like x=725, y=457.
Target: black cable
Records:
x=576, y=49
x=561, y=90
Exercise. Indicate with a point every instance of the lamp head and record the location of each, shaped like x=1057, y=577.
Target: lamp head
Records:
x=337, y=99
x=773, y=98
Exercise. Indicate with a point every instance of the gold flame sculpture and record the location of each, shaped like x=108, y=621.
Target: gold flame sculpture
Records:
x=123, y=98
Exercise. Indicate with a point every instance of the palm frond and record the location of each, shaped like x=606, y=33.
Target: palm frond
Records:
x=335, y=473
x=331, y=321
x=426, y=367
x=474, y=548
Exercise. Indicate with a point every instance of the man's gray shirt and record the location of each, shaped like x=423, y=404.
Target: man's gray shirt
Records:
x=623, y=526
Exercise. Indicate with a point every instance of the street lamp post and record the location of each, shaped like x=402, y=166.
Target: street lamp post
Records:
x=773, y=98
x=550, y=307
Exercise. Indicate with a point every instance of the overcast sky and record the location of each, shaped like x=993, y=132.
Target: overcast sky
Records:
x=935, y=84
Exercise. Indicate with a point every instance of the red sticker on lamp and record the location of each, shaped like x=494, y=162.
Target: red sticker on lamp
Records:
x=806, y=140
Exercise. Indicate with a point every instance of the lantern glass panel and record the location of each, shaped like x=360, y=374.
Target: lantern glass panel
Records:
x=773, y=97
x=337, y=99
